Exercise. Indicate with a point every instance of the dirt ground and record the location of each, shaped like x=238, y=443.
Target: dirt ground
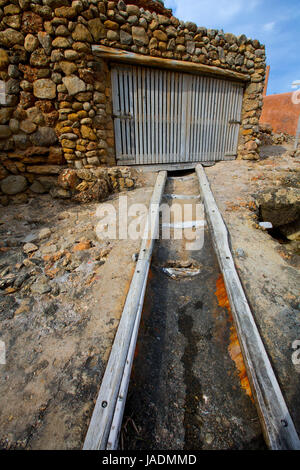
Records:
x=61, y=302
x=268, y=269
x=59, y=309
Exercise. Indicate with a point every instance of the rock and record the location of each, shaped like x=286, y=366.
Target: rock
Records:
x=191, y=26
x=35, y=115
x=71, y=55
x=14, y=125
x=45, y=41
x=74, y=85
x=190, y=47
x=240, y=253
x=133, y=20
x=11, y=9
x=99, y=191
x=30, y=248
x=31, y=43
x=60, y=193
x=44, y=170
x=291, y=231
x=111, y=25
x=251, y=145
x=81, y=33
x=279, y=206
x=47, y=249
x=3, y=172
x=55, y=156
x=13, y=71
x=66, y=12
x=160, y=35
x=88, y=133
x=68, y=179
x=133, y=10
x=4, y=60
x=10, y=37
x=12, y=86
x=97, y=29
x=21, y=278
x=121, y=5
x=84, y=245
x=85, y=175
x=62, y=30
x=44, y=136
x=24, y=307
x=41, y=286
x=39, y=58
x=61, y=42
x=37, y=188
x=13, y=184
x=44, y=88
x=5, y=114
x=13, y=21
x=31, y=22
x=125, y=38
x=139, y=35
x=113, y=35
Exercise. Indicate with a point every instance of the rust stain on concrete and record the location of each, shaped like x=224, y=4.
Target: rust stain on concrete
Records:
x=234, y=347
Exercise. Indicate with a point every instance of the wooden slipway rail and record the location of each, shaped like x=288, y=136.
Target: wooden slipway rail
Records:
x=278, y=427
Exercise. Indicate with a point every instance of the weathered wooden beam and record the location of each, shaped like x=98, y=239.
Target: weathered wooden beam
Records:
x=115, y=381
x=118, y=55
x=277, y=424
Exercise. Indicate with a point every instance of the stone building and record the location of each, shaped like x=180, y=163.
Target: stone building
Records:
x=56, y=66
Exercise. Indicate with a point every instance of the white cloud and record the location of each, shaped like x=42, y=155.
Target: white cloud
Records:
x=269, y=26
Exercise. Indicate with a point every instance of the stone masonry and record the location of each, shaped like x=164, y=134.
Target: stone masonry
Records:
x=57, y=107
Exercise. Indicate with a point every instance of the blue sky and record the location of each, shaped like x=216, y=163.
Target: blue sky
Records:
x=275, y=23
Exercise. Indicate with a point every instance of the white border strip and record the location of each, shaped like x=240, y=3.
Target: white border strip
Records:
x=113, y=438
x=105, y=408
x=277, y=424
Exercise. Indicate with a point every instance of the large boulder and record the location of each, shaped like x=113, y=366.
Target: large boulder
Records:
x=279, y=206
x=13, y=184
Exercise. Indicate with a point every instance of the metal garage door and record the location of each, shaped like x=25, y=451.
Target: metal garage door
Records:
x=171, y=117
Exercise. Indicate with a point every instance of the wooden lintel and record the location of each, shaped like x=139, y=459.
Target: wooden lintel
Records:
x=118, y=55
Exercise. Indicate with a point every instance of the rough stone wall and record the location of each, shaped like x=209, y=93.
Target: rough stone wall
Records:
x=58, y=107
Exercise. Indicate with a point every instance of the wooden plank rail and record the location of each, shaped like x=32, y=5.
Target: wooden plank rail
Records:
x=105, y=409
x=277, y=424
x=119, y=55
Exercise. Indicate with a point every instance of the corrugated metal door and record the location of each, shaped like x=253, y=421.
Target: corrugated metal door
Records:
x=171, y=117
